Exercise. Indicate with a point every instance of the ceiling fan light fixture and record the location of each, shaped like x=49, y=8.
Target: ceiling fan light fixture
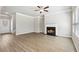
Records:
x=42, y=9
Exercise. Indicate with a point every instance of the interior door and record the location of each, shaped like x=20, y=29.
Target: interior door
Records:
x=4, y=25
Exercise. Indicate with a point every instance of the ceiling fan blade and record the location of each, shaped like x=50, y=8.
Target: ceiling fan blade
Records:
x=38, y=6
x=46, y=7
x=36, y=10
x=46, y=10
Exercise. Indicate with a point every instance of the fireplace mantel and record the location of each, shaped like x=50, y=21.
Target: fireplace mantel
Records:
x=51, y=25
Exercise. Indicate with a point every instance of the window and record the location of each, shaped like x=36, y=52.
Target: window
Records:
x=76, y=21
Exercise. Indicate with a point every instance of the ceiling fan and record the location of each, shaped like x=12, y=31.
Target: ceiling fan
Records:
x=42, y=9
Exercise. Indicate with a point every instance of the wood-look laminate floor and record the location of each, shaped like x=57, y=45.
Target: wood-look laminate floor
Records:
x=35, y=43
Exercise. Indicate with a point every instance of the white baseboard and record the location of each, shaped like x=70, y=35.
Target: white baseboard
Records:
x=23, y=33
x=76, y=42
x=64, y=36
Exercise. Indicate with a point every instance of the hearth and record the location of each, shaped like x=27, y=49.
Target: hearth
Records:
x=51, y=31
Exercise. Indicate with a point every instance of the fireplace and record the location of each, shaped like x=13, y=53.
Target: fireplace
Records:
x=51, y=31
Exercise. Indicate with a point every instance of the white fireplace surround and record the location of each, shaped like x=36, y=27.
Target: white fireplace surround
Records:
x=50, y=25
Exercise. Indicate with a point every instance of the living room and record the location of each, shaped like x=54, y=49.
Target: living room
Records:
x=40, y=30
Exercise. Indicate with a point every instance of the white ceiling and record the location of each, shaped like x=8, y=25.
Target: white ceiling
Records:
x=29, y=10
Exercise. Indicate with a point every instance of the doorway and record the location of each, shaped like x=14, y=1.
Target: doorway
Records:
x=5, y=26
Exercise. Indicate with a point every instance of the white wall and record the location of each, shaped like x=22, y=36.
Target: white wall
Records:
x=37, y=24
x=24, y=24
x=42, y=23
x=30, y=12
x=61, y=16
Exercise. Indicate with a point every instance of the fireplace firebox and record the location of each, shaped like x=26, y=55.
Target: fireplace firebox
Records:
x=51, y=31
